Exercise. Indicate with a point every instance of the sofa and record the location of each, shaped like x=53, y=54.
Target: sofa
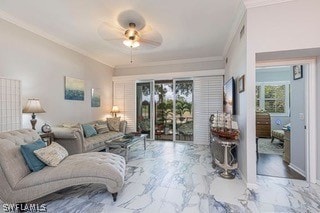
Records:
x=19, y=185
x=73, y=139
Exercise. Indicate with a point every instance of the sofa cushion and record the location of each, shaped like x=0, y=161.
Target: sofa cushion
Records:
x=31, y=159
x=101, y=128
x=52, y=155
x=114, y=123
x=88, y=130
x=100, y=139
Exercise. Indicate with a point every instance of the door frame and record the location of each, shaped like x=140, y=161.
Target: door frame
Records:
x=310, y=100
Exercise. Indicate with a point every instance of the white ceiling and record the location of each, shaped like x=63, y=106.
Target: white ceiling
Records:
x=190, y=29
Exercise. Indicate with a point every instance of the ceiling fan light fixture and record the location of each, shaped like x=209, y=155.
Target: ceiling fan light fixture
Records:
x=131, y=43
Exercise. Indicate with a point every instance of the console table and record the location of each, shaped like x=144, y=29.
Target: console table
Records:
x=227, y=144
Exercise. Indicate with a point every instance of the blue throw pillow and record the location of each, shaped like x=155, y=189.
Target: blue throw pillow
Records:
x=31, y=159
x=88, y=130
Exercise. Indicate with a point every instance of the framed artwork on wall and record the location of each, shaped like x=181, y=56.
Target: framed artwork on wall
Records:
x=241, y=84
x=297, y=72
x=74, y=89
x=95, y=97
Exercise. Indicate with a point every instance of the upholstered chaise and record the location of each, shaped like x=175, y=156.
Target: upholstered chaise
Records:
x=18, y=184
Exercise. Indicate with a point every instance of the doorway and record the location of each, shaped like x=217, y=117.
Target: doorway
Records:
x=280, y=121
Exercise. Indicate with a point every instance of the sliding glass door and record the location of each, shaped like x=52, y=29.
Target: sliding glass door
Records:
x=163, y=105
x=184, y=110
x=165, y=109
x=144, y=107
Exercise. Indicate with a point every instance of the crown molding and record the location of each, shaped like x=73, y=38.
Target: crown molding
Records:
x=262, y=3
x=171, y=62
x=234, y=29
x=5, y=16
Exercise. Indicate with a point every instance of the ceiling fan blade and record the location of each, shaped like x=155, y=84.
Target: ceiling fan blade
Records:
x=108, y=26
x=150, y=42
x=146, y=29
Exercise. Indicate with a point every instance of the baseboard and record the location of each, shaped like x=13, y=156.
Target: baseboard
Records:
x=297, y=169
x=249, y=185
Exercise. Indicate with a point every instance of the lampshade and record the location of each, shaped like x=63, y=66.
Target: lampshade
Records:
x=131, y=43
x=115, y=109
x=33, y=106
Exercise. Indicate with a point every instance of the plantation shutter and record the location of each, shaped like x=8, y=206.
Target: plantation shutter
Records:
x=124, y=97
x=10, y=105
x=208, y=99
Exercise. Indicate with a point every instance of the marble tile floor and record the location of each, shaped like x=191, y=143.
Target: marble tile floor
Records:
x=176, y=177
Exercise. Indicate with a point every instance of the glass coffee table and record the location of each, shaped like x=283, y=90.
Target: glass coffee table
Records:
x=126, y=143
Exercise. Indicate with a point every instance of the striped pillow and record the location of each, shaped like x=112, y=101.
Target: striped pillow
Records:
x=51, y=155
x=101, y=128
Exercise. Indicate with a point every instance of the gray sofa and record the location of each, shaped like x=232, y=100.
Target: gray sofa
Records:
x=74, y=141
x=19, y=185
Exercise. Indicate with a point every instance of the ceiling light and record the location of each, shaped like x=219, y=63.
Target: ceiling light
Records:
x=131, y=43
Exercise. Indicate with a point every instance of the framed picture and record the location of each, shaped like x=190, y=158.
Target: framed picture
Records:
x=229, y=92
x=297, y=72
x=241, y=84
x=95, y=97
x=74, y=89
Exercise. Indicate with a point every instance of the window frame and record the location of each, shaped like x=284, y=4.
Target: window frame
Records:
x=262, y=98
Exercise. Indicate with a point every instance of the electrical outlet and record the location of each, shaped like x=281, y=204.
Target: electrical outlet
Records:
x=301, y=116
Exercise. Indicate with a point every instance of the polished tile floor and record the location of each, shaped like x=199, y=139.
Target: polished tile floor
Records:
x=176, y=177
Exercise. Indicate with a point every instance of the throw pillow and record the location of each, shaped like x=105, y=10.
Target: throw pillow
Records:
x=101, y=128
x=88, y=130
x=31, y=159
x=52, y=155
x=114, y=124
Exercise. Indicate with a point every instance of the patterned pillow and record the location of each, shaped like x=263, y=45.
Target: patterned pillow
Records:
x=52, y=155
x=114, y=124
x=88, y=130
x=101, y=128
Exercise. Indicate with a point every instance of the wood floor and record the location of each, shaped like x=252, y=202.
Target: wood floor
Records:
x=273, y=165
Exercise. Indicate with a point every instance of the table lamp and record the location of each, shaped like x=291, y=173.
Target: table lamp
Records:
x=115, y=110
x=33, y=106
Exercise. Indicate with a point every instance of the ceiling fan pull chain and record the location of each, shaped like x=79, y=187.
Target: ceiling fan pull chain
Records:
x=131, y=55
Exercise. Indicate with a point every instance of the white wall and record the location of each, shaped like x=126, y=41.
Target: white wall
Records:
x=318, y=118
x=41, y=66
x=236, y=67
x=169, y=68
x=287, y=26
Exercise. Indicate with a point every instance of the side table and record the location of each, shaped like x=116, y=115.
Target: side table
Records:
x=47, y=137
x=225, y=165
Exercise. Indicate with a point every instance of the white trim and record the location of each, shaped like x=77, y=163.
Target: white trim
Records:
x=169, y=76
x=311, y=110
x=297, y=169
x=249, y=185
x=5, y=16
x=178, y=61
x=235, y=27
x=262, y=3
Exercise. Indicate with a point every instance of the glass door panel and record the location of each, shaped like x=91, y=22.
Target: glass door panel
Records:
x=163, y=100
x=183, y=110
x=144, y=108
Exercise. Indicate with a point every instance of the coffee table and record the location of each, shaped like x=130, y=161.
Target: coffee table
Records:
x=126, y=143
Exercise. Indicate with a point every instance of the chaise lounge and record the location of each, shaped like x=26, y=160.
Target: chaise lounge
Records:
x=19, y=185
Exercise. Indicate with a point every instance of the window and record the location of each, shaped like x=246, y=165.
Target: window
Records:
x=273, y=97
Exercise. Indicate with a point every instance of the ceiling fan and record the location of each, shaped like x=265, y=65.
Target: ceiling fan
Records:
x=131, y=32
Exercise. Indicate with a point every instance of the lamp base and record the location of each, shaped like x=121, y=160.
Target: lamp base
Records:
x=33, y=123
